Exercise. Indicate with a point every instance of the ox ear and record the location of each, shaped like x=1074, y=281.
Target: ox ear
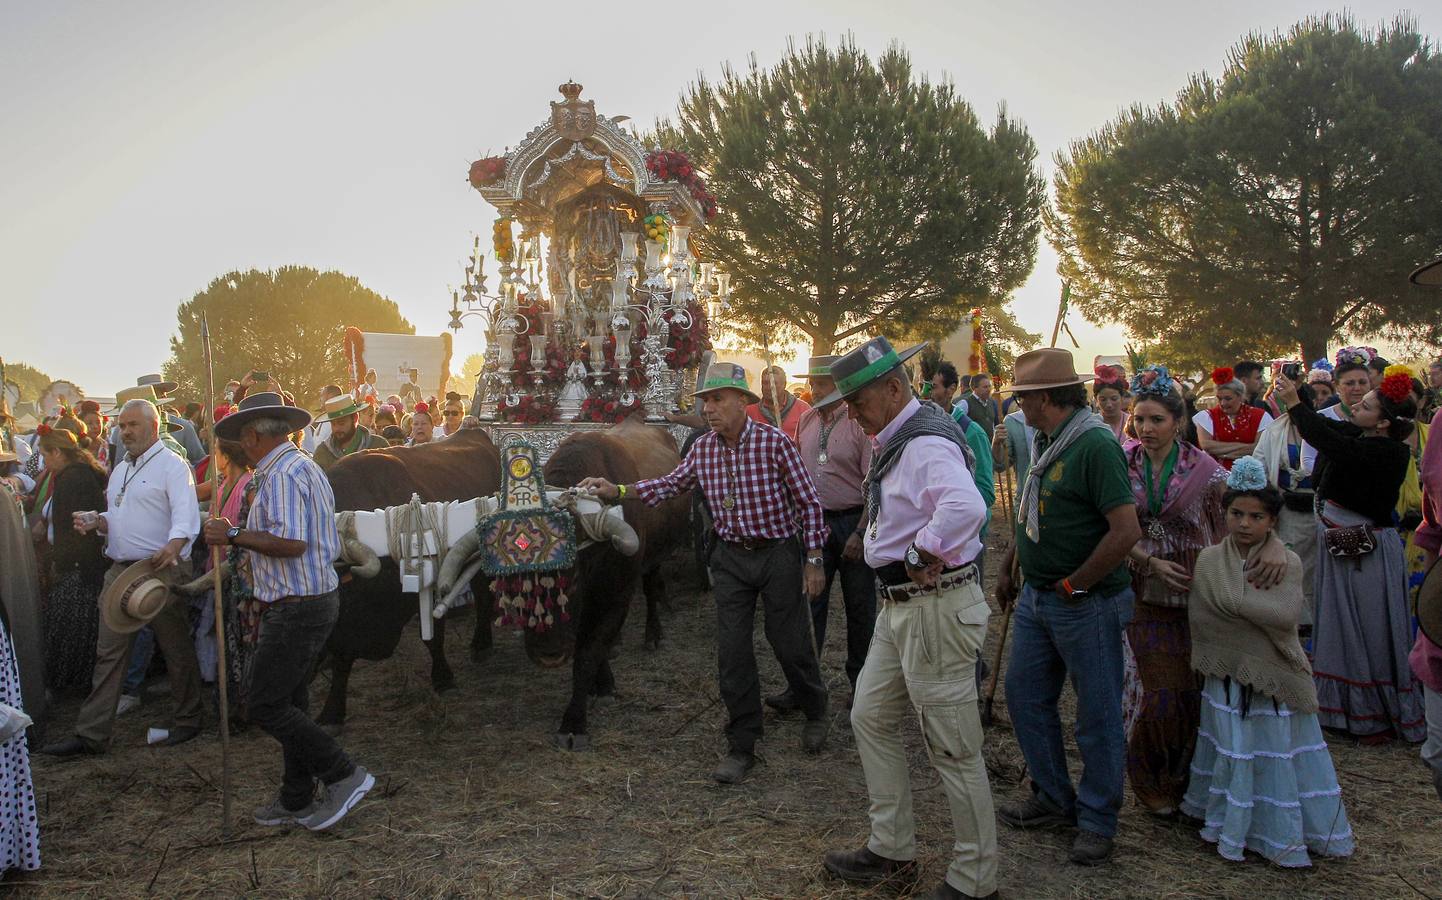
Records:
x=607, y=524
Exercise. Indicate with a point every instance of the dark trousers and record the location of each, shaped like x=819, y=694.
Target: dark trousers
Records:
x=738, y=577
x=292, y=635
x=858, y=592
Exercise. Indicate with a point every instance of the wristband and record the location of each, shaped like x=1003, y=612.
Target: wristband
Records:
x=1066, y=586
x=620, y=492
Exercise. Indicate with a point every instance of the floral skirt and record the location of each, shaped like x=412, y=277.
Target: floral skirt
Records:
x=1265, y=782
x=1160, y=703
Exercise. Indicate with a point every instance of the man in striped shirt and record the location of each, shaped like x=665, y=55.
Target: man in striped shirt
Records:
x=759, y=492
x=291, y=541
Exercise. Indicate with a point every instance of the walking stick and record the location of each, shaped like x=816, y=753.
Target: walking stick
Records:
x=222, y=674
x=1007, y=504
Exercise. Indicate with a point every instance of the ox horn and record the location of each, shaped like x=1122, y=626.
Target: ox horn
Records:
x=361, y=558
x=610, y=525
x=205, y=582
x=465, y=547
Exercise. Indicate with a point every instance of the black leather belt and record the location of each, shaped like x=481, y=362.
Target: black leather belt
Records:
x=853, y=511
x=900, y=592
x=753, y=544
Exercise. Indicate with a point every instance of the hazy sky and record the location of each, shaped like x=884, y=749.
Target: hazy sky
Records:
x=150, y=146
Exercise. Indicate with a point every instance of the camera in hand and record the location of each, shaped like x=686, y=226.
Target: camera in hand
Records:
x=1293, y=371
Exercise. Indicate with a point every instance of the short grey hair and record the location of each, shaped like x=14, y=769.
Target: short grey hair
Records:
x=145, y=406
x=269, y=426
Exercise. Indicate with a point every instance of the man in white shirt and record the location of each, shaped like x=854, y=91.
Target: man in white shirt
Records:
x=152, y=515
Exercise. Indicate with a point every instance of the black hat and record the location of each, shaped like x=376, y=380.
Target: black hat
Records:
x=264, y=405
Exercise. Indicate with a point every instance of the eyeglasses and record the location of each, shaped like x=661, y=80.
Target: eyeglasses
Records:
x=453, y=414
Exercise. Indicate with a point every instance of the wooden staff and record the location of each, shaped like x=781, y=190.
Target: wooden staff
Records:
x=1008, y=506
x=222, y=673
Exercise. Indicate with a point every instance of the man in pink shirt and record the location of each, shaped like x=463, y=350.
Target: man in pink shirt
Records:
x=837, y=454
x=923, y=536
x=778, y=407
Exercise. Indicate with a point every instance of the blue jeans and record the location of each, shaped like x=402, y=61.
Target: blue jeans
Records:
x=1051, y=641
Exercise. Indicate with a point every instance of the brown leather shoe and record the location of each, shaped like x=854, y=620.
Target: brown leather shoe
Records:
x=864, y=867
x=945, y=891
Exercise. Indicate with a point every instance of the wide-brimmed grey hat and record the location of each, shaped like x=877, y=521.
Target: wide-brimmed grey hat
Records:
x=723, y=375
x=163, y=388
x=264, y=405
x=817, y=367
x=867, y=364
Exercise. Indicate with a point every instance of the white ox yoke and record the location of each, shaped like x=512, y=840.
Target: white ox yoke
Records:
x=419, y=535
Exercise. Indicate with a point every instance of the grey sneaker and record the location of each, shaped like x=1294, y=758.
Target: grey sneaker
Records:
x=1090, y=848
x=126, y=704
x=275, y=813
x=339, y=799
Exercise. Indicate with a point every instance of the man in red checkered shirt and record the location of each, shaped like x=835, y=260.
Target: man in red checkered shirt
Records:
x=766, y=509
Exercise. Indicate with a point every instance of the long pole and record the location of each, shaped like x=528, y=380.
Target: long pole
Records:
x=222, y=674
x=1061, y=312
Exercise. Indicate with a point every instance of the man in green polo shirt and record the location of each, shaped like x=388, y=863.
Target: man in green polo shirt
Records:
x=1076, y=521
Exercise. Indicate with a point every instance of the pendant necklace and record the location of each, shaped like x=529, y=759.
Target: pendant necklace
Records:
x=134, y=470
x=1156, y=497
x=729, y=501
x=823, y=456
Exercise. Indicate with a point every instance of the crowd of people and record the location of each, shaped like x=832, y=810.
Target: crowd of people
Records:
x=1223, y=574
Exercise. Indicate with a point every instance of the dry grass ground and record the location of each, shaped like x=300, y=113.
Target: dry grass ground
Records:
x=471, y=801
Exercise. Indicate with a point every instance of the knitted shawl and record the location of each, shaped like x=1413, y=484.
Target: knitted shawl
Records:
x=1191, y=516
x=1246, y=634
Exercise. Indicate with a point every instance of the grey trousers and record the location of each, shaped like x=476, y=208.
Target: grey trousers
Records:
x=738, y=577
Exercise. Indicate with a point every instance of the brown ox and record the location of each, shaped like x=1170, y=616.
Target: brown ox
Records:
x=373, y=611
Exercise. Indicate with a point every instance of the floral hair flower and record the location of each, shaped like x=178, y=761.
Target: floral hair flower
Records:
x=1247, y=474
x=1399, y=369
x=1354, y=356
x=1396, y=387
x=1152, y=380
x=422, y=407
x=1107, y=376
x=1320, y=375
x=1324, y=364
x=43, y=429
x=1223, y=375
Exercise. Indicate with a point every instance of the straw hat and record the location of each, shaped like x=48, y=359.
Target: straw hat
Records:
x=722, y=375
x=263, y=405
x=867, y=364
x=141, y=392
x=338, y=408
x=1049, y=367
x=133, y=599
x=163, y=388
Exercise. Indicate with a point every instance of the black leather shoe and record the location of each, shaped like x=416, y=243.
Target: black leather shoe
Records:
x=784, y=702
x=1090, y=848
x=734, y=767
x=1034, y=812
x=180, y=735
x=813, y=735
x=864, y=867
x=945, y=891
x=71, y=747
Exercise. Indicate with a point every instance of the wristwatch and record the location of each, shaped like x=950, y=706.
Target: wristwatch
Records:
x=232, y=533
x=913, y=556
x=815, y=561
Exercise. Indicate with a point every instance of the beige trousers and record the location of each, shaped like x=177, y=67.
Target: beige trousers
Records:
x=96, y=720
x=923, y=654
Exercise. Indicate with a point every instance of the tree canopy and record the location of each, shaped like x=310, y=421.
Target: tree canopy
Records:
x=1271, y=209
x=289, y=322
x=28, y=380
x=855, y=197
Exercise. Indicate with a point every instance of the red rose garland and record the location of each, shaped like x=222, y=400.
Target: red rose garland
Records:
x=673, y=165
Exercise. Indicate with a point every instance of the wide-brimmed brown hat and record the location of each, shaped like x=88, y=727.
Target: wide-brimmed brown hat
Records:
x=1429, y=605
x=1048, y=367
x=142, y=392
x=1429, y=275
x=133, y=599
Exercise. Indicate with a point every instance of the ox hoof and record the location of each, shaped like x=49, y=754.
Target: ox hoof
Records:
x=605, y=700
x=652, y=644
x=334, y=729
x=574, y=743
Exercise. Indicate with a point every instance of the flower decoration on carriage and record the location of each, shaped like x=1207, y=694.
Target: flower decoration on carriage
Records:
x=1355, y=356
x=1396, y=383
x=657, y=228
x=673, y=165
x=1152, y=380
x=487, y=171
